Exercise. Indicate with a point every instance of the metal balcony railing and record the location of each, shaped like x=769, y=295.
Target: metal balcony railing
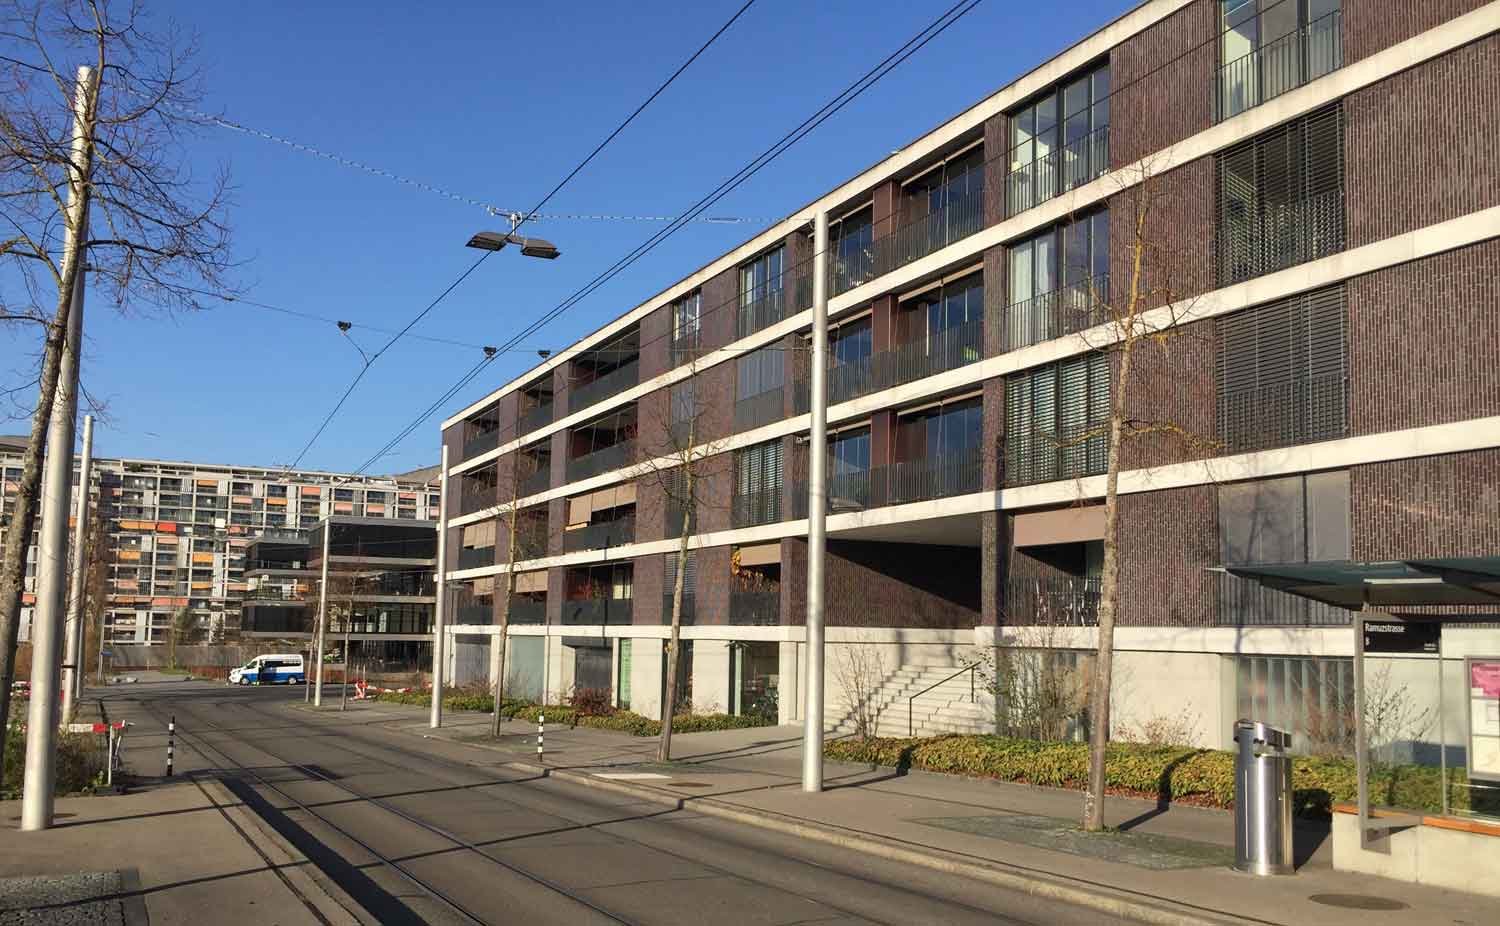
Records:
x=528, y=611
x=1066, y=310
x=1051, y=601
x=1280, y=65
x=682, y=349
x=1059, y=170
x=758, y=608
x=474, y=557
x=535, y=418
x=473, y=498
x=689, y=608
x=940, y=476
x=481, y=443
x=601, y=461
x=762, y=312
x=760, y=409
x=1033, y=456
x=539, y=481
x=475, y=613
x=1245, y=602
x=904, y=363
x=763, y=507
x=611, y=383
x=1277, y=235
x=597, y=611
x=274, y=593
x=1269, y=415
x=961, y=216
x=600, y=536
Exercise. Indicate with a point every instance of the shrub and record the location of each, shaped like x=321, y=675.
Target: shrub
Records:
x=592, y=701
x=1199, y=776
x=79, y=767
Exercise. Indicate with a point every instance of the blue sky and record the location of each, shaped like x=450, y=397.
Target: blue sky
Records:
x=496, y=101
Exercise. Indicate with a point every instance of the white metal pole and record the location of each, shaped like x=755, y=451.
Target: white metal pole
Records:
x=47, y=618
x=322, y=617
x=817, y=511
x=73, y=640
x=439, y=615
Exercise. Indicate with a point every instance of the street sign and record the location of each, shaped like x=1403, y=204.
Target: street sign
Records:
x=1402, y=636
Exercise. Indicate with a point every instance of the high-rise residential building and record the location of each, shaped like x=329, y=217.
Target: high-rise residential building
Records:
x=177, y=532
x=1318, y=207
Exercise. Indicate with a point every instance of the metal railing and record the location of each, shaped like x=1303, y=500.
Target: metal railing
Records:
x=599, y=536
x=274, y=593
x=1277, y=235
x=973, y=694
x=601, y=461
x=761, y=608
x=611, y=383
x=763, y=507
x=539, y=481
x=536, y=418
x=473, y=498
x=947, y=475
x=904, y=363
x=1052, y=601
x=961, y=216
x=481, y=443
x=1033, y=456
x=1247, y=603
x=762, y=312
x=760, y=409
x=1271, y=415
x=597, y=611
x=681, y=350
x=476, y=613
x=1059, y=170
x=527, y=611
x=1280, y=65
x=689, y=608
x=1066, y=310
x=474, y=557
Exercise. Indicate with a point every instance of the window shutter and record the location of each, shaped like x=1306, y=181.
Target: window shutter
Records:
x=689, y=575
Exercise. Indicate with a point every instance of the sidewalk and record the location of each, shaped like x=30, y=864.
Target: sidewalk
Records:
x=1170, y=863
x=174, y=851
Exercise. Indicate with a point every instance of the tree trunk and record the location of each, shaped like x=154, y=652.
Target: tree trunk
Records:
x=669, y=699
x=500, y=638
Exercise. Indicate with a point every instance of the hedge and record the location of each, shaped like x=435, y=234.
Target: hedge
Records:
x=619, y=721
x=1195, y=776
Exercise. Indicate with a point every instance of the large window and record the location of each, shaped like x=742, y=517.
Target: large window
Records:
x=757, y=484
x=1267, y=47
x=687, y=316
x=1057, y=279
x=1281, y=197
x=759, y=394
x=1059, y=141
x=937, y=208
x=939, y=329
x=938, y=451
x=1055, y=418
x=1293, y=519
x=1312, y=698
x=1281, y=373
x=761, y=301
x=851, y=247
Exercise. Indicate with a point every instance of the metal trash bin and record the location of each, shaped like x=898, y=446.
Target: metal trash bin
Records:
x=1262, y=799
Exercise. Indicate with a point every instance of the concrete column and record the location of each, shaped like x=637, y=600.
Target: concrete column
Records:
x=645, y=677
x=711, y=676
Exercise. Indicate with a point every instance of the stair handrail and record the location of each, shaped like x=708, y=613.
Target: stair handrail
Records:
x=970, y=668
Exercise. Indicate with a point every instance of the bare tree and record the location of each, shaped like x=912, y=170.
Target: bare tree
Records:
x=158, y=233
x=679, y=466
x=520, y=545
x=860, y=672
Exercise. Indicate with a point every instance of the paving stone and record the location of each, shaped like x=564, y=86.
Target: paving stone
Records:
x=87, y=898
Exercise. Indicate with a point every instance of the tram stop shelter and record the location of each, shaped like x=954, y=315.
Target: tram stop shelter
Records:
x=1399, y=610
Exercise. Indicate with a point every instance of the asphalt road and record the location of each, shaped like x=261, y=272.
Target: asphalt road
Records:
x=423, y=831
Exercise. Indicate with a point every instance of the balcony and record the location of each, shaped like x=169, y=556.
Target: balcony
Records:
x=763, y=507
x=1051, y=602
x=475, y=557
x=481, y=443
x=596, y=611
x=539, y=481
x=1059, y=170
x=538, y=417
x=275, y=593
x=760, y=409
x=962, y=216
x=761, y=313
x=472, y=498
x=905, y=363
x=1033, y=456
x=689, y=608
x=1268, y=415
x=1281, y=65
x=1273, y=235
x=688, y=347
x=528, y=611
x=475, y=613
x=601, y=461
x=758, y=608
x=898, y=483
x=1065, y=310
x=611, y=383
x=1247, y=603
x=600, y=536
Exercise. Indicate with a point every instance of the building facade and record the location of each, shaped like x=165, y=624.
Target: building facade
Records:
x=176, y=534
x=1246, y=176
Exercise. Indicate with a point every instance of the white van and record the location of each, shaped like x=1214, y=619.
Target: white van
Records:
x=271, y=669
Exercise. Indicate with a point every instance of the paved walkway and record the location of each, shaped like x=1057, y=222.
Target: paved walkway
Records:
x=1174, y=852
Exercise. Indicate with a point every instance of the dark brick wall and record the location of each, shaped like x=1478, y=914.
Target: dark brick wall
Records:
x=881, y=584
x=1169, y=538
x=557, y=590
x=996, y=163
x=1424, y=343
x=1429, y=506
x=1156, y=103
x=557, y=521
x=1175, y=210
x=646, y=588
x=1373, y=25
x=720, y=307
x=1420, y=146
x=560, y=391
x=996, y=295
x=994, y=431
x=1169, y=401
x=712, y=598
x=653, y=418
x=656, y=336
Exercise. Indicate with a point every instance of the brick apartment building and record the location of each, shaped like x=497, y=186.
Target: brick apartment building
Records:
x=177, y=533
x=1325, y=205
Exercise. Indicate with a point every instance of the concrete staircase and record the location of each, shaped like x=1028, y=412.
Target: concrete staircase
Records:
x=945, y=709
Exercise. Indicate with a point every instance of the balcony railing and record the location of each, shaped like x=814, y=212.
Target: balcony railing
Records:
x=689, y=608
x=1059, y=170
x=481, y=443
x=539, y=481
x=763, y=507
x=961, y=216
x=473, y=498
x=937, y=477
x=274, y=593
x=596, y=611
x=1051, y=602
x=908, y=362
x=601, y=461
x=759, y=409
x=1277, y=235
x=672, y=520
x=1245, y=602
x=763, y=312
x=611, y=383
x=1066, y=310
x=1033, y=456
x=1270, y=415
x=474, y=557
x=1280, y=65
x=475, y=613
x=681, y=350
x=600, y=536
x=536, y=418
x=755, y=608
x=528, y=611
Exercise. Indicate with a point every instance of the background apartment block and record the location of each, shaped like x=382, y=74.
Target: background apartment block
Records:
x=177, y=533
x=1326, y=202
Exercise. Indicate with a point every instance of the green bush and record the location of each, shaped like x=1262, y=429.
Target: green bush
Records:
x=79, y=768
x=564, y=715
x=1198, y=776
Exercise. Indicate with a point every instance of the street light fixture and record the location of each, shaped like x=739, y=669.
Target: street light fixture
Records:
x=530, y=247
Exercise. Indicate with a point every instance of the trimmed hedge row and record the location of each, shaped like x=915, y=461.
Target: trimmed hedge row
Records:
x=1197, y=776
x=619, y=721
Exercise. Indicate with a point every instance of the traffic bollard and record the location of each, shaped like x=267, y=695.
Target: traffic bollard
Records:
x=541, y=730
x=171, y=737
